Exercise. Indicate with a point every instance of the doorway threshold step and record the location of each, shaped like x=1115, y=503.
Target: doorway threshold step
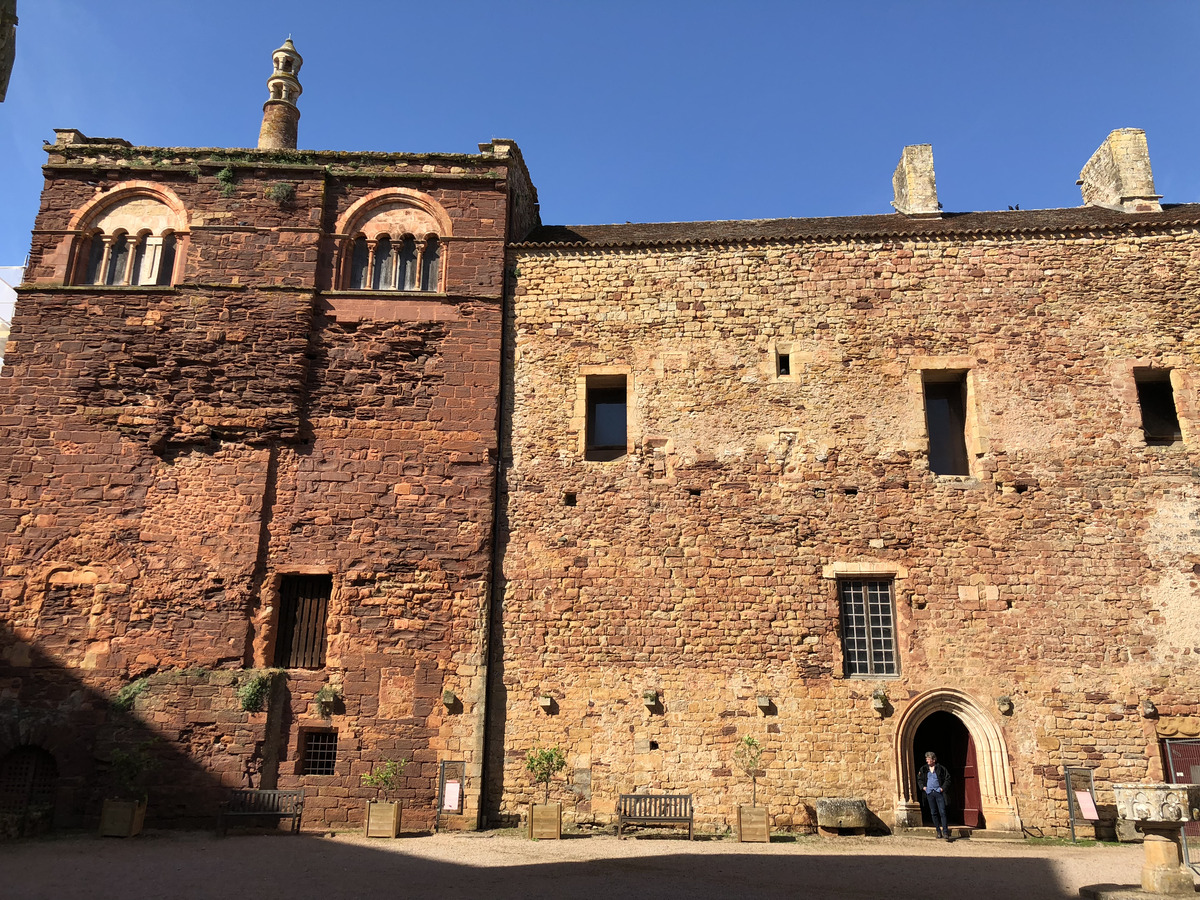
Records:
x=963, y=833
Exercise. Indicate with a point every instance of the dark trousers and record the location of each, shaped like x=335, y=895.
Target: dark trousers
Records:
x=937, y=810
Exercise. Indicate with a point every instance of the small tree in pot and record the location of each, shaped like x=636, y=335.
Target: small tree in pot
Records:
x=752, y=819
x=383, y=815
x=545, y=820
x=124, y=810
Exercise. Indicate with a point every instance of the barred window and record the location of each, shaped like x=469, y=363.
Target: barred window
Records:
x=303, y=609
x=868, y=627
x=320, y=752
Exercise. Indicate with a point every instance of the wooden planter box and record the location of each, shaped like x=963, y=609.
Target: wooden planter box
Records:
x=383, y=818
x=545, y=821
x=754, y=825
x=122, y=818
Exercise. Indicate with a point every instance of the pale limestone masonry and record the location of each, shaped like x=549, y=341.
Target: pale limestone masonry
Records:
x=703, y=563
x=1118, y=174
x=914, y=182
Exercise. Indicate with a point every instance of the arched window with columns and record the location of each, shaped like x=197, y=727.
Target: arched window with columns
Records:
x=129, y=239
x=395, y=241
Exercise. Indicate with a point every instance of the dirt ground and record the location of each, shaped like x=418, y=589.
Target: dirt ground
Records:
x=186, y=865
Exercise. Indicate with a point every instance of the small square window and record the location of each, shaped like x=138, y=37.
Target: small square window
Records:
x=1160, y=421
x=946, y=422
x=606, y=417
x=868, y=628
x=320, y=752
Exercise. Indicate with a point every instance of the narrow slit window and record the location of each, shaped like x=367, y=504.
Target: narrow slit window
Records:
x=868, y=628
x=95, y=265
x=166, y=265
x=946, y=422
x=1160, y=420
x=359, y=273
x=118, y=260
x=430, y=265
x=381, y=278
x=407, y=280
x=320, y=752
x=783, y=364
x=606, y=417
x=303, y=608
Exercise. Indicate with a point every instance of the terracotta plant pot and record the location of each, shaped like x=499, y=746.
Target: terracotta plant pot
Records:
x=545, y=821
x=383, y=818
x=754, y=825
x=122, y=818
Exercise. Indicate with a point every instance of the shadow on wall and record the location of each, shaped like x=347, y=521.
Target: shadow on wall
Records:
x=58, y=736
x=300, y=867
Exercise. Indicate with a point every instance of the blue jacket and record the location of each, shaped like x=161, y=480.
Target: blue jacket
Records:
x=943, y=778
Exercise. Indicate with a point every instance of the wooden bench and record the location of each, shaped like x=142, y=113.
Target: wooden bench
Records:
x=280, y=804
x=654, y=809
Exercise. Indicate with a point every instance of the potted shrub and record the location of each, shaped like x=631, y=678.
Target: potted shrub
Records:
x=383, y=815
x=752, y=819
x=124, y=811
x=545, y=819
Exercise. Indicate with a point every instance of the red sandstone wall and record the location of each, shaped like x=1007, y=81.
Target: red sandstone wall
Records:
x=173, y=452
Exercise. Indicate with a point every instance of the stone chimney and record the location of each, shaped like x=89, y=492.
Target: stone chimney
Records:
x=914, y=184
x=1118, y=174
x=281, y=118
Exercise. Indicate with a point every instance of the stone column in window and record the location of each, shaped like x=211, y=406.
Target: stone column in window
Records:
x=418, y=266
x=369, y=274
x=111, y=261
x=130, y=258
x=98, y=262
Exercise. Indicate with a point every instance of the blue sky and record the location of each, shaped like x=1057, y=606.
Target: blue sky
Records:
x=636, y=111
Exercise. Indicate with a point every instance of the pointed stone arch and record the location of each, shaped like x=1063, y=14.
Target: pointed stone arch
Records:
x=997, y=802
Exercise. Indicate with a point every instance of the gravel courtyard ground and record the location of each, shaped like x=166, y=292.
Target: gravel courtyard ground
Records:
x=186, y=865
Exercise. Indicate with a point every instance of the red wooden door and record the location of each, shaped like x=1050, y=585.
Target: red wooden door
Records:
x=972, y=816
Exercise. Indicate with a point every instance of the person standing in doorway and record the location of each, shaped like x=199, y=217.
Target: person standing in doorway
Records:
x=934, y=781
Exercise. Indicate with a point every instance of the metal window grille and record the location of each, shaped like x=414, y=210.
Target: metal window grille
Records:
x=303, y=607
x=868, y=627
x=320, y=752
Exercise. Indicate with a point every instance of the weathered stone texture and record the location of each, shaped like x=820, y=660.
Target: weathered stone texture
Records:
x=700, y=564
x=174, y=452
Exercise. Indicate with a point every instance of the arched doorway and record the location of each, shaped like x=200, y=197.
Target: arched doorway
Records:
x=944, y=733
x=28, y=786
x=992, y=770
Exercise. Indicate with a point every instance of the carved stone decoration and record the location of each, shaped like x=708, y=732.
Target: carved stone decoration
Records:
x=1152, y=802
x=1177, y=727
x=1159, y=811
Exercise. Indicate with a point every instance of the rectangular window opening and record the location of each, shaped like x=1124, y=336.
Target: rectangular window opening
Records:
x=303, y=608
x=783, y=364
x=868, y=628
x=946, y=422
x=1160, y=420
x=320, y=752
x=606, y=417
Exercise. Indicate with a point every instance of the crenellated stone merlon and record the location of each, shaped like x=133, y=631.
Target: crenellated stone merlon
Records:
x=1118, y=175
x=914, y=183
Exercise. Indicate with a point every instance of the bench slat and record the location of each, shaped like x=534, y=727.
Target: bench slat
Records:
x=248, y=802
x=654, y=809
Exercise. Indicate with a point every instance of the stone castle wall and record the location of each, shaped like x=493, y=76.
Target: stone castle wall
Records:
x=702, y=564
x=173, y=452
